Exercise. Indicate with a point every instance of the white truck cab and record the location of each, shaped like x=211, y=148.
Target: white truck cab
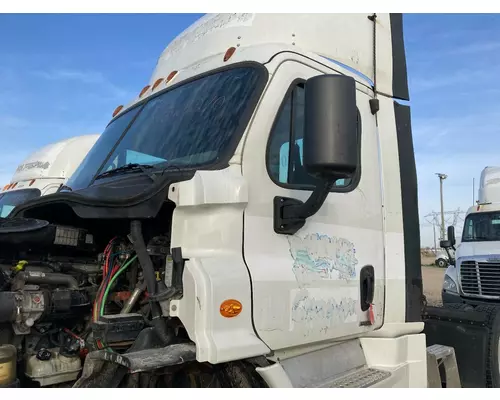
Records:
x=44, y=171
x=475, y=276
x=264, y=184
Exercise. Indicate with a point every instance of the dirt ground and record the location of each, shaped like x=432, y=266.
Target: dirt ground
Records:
x=433, y=282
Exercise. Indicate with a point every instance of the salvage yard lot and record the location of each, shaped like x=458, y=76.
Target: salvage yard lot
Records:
x=433, y=282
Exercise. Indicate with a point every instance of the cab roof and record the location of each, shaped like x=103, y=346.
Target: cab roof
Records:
x=348, y=39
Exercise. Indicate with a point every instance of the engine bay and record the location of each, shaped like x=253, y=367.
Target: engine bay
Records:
x=96, y=287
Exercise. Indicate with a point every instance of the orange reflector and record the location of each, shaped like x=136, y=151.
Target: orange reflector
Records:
x=158, y=81
x=117, y=110
x=5, y=187
x=230, y=308
x=32, y=182
x=171, y=76
x=144, y=90
x=229, y=53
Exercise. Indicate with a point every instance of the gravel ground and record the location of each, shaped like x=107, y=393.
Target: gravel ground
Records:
x=433, y=282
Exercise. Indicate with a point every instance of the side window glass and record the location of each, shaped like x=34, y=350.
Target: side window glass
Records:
x=285, y=161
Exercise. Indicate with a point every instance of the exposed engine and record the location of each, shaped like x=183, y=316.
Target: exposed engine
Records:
x=64, y=294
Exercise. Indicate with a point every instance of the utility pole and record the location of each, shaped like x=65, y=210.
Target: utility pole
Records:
x=442, y=177
x=435, y=244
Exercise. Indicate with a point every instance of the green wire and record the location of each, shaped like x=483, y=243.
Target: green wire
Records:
x=118, y=273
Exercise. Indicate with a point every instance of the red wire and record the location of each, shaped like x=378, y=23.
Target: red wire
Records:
x=104, y=283
x=107, y=252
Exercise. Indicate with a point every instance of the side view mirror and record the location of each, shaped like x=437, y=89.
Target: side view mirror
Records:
x=451, y=235
x=449, y=244
x=330, y=145
x=330, y=127
x=445, y=244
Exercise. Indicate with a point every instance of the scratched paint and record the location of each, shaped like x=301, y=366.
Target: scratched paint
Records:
x=318, y=256
x=322, y=314
x=209, y=24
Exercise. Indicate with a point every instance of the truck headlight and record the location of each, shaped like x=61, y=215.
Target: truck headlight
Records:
x=449, y=285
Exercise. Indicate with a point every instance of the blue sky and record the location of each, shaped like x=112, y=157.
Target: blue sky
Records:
x=63, y=75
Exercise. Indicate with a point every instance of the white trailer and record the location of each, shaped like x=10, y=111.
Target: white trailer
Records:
x=44, y=171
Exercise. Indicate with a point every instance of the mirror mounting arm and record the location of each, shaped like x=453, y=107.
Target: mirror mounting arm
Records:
x=450, y=257
x=290, y=214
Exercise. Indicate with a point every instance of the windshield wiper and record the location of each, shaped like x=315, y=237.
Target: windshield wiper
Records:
x=128, y=167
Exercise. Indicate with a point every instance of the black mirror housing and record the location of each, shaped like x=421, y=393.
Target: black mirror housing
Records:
x=451, y=235
x=331, y=149
x=330, y=128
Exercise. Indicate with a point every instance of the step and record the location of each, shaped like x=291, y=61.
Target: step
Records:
x=437, y=355
x=440, y=351
x=361, y=378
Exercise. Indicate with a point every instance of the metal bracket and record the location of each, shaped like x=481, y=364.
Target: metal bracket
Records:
x=149, y=359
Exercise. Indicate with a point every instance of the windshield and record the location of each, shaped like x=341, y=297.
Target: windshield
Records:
x=192, y=125
x=9, y=200
x=481, y=227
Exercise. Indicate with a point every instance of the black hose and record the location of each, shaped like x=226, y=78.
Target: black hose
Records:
x=164, y=333
x=48, y=278
x=143, y=256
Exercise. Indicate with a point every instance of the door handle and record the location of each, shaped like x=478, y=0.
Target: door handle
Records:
x=366, y=286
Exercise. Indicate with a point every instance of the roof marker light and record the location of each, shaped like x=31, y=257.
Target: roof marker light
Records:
x=157, y=83
x=117, y=110
x=229, y=53
x=144, y=90
x=171, y=76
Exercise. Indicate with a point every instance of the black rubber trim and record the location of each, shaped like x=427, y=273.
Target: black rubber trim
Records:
x=409, y=202
x=399, y=71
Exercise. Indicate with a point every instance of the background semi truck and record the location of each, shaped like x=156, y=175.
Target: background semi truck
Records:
x=250, y=219
x=44, y=171
x=474, y=276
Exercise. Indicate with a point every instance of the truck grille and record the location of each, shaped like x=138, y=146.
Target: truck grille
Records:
x=480, y=278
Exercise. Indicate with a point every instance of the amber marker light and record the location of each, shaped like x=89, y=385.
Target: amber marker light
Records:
x=229, y=53
x=144, y=90
x=157, y=83
x=117, y=110
x=230, y=308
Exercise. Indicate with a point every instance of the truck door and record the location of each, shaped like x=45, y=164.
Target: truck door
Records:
x=309, y=287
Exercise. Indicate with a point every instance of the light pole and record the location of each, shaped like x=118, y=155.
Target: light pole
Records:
x=442, y=177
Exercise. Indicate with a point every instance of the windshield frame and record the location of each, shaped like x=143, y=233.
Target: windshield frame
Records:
x=474, y=214
x=228, y=151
